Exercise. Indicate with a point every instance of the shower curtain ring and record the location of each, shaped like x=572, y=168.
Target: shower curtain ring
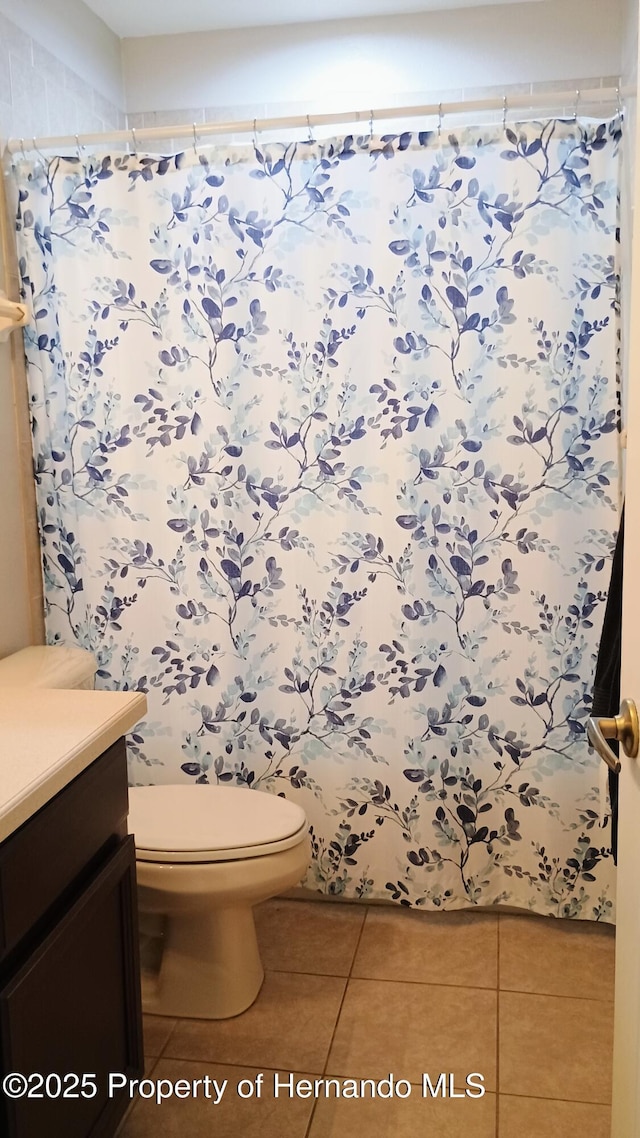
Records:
x=78, y=149
x=310, y=138
x=370, y=125
x=22, y=148
x=575, y=109
x=195, y=140
x=619, y=110
x=504, y=112
x=255, y=133
x=439, y=119
x=135, y=145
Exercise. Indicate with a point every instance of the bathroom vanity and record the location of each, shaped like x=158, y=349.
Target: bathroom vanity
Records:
x=69, y=970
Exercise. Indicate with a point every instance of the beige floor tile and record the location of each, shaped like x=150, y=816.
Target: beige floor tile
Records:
x=156, y=1031
x=408, y=1029
x=308, y=936
x=531, y=1117
x=432, y=948
x=555, y=1047
x=556, y=957
x=406, y=1118
x=289, y=1027
x=233, y=1117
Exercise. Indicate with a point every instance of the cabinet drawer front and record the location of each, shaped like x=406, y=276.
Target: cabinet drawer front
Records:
x=75, y=1006
x=43, y=859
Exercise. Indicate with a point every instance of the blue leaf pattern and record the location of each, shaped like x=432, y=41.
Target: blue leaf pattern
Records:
x=326, y=462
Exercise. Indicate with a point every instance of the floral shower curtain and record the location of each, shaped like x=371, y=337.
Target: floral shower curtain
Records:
x=326, y=461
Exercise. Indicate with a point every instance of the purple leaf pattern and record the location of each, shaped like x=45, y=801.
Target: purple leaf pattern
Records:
x=326, y=459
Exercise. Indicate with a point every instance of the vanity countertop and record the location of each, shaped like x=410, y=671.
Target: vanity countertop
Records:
x=48, y=736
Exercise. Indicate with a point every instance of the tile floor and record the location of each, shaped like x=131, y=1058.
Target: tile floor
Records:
x=361, y=992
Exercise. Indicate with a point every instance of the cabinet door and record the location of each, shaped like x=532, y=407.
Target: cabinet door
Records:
x=74, y=1006
x=87, y=816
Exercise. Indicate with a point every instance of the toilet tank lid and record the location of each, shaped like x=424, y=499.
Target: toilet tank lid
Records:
x=191, y=818
x=47, y=666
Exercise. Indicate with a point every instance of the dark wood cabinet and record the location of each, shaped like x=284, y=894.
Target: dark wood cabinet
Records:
x=69, y=968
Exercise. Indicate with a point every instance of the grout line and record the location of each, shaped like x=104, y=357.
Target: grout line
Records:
x=310, y=1122
x=268, y=1068
x=555, y=996
x=360, y=935
x=387, y=980
x=335, y=1026
x=307, y=972
x=167, y=1040
x=430, y=984
x=543, y=1098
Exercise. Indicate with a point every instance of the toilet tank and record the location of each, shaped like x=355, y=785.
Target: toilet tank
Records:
x=44, y=666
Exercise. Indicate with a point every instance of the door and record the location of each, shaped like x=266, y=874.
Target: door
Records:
x=626, y=1075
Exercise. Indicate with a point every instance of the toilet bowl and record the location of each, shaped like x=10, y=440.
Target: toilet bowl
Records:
x=205, y=855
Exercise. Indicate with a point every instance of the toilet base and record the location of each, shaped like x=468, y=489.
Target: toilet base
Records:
x=210, y=966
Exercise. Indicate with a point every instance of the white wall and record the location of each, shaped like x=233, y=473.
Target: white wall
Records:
x=44, y=67
x=629, y=64
x=333, y=63
x=76, y=37
x=41, y=94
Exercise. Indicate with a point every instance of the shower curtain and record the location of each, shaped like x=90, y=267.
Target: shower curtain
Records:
x=325, y=441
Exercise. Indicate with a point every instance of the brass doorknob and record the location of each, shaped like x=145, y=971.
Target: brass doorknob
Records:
x=623, y=727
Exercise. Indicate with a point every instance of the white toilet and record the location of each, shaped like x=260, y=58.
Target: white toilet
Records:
x=205, y=855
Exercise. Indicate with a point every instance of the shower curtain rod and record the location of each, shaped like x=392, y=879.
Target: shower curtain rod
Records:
x=574, y=98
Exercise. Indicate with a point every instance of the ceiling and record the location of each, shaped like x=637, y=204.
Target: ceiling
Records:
x=152, y=18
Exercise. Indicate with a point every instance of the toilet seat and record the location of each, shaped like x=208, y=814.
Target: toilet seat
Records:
x=211, y=823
